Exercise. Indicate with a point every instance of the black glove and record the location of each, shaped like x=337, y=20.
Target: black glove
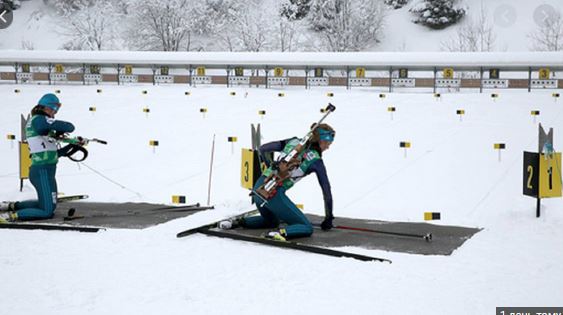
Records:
x=327, y=224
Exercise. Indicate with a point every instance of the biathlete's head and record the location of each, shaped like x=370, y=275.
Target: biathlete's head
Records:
x=323, y=135
x=50, y=104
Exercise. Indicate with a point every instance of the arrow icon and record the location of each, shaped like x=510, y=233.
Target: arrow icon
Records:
x=505, y=16
x=6, y=16
x=544, y=15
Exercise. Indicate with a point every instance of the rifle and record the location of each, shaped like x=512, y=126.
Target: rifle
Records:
x=72, y=148
x=284, y=167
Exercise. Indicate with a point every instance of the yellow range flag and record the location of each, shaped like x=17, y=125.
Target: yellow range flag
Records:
x=550, y=176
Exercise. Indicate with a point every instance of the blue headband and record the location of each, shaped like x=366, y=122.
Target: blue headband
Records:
x=326, y=135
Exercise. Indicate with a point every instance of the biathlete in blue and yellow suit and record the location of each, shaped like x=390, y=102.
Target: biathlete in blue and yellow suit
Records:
x=280, y=208
x=41, y=131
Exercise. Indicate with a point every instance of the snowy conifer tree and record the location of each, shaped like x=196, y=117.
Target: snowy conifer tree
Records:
x=437, y=14
x=396, y=4
x=295, y=9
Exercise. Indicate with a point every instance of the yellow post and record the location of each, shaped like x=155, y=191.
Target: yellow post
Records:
x=25, y=162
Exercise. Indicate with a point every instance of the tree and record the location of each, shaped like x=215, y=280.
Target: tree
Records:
x=346, y=25
x=166, y=25
x=66, y=7
x=295, y=10
x=243, y=25
x=437, y=14
x=549, y=36
x=253, y=27
x=90, y=26
x=396, y=4
x=222, y=16
x=290, y=25
x=474, y=35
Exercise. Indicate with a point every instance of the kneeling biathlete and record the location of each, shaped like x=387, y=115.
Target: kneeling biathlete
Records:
x=42, y=133
x=280, y=208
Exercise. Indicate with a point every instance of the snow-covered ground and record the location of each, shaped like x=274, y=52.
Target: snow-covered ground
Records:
x=451, y=168
x=36, y=26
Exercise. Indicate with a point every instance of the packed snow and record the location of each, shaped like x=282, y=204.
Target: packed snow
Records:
x=451, y=168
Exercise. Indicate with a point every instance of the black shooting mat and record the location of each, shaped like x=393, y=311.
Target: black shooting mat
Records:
x=116, y=215
x=445, y=239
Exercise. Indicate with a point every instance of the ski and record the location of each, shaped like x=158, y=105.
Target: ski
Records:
x=71, y=198
x=183, y=209
x=427, y=237
x=49, y=227
x=195, y=205
x=290, y=245
x=187, y=207
x=214, y=224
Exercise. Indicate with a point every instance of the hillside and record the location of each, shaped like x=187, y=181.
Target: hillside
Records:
x=36, y=26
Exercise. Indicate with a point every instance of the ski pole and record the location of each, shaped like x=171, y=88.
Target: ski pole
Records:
x=210, y=172
x=427, y=237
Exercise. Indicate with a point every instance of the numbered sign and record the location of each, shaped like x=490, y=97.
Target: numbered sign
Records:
x=164, y=70
x=531, y=171
x=494, y=73
x=403, y=73
x=319, y=72
x=278, y=72
x=200, y=71
x=59, y=68
x=448, y=73
x=360, y=72
x=550, y=175
x=95, y=69
x=250, y=168
x=544, y=74
x=239, y=71
x=542, y=175
x=128, y=69
x=25, y=67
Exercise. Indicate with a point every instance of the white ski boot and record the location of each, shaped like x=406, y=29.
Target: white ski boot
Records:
x=6, y=206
